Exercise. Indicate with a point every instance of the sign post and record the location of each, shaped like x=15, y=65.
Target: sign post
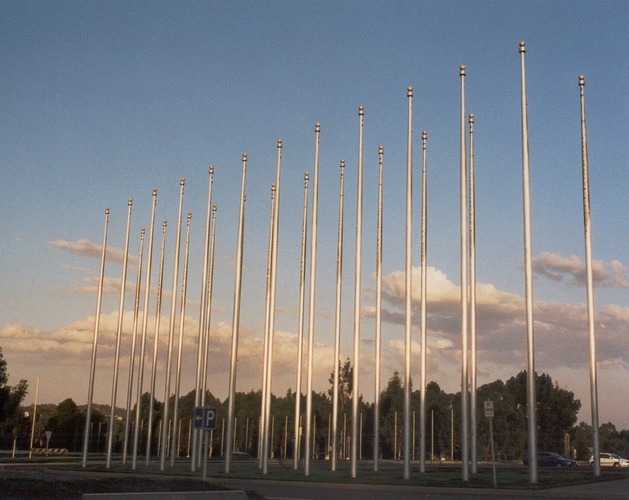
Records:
x=489, y=413
x=205, y=420
x=48, y=434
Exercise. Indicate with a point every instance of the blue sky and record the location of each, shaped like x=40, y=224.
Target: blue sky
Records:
x=103, y=101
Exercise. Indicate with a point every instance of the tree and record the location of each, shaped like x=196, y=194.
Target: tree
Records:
x=556, y=410
x=10, y=400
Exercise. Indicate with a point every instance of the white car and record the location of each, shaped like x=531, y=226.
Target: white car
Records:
x=611, y=460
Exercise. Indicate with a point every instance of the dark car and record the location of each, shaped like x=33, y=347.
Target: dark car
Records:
x=550, y=459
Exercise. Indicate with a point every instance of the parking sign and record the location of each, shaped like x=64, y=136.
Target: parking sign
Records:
x=204, y=418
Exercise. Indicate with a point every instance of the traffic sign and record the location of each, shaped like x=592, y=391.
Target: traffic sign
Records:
x=204, y=418
x=489, y=408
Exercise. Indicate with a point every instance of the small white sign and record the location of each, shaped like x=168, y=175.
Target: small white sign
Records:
x=489, y=408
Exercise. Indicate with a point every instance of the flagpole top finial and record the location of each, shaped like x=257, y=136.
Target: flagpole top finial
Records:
x=409, y=92
x=211, y=171
x=317, y=127
x=471, y=117
x=279, y=143
x=522, y=46
x=424, y=135
x=244, y=157
x=381, y=149
x=581, y=79
x=361, y=110
x=462, y=70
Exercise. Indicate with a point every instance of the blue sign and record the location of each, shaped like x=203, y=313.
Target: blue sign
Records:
x=204, y=418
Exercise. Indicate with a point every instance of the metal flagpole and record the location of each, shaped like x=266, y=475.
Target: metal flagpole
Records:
x=196, y=435
x=235, y=320
x=182, y=318
x=30, y=450
x=265, y=360
x=114, y=384
x=528, y=279
x=171, y=329
x=158, y=313
x=472, y=215
x=357, y=276
x=90, y=392
x=269, y=366
x=134, y=338
x=311, y=302
x=590, y=293
x=424, y=299
x=210, y=280
x=300, y=327
x=376, y=385
x=408, y=309
x=138, y=401
x=464, y=325
x=337, y=322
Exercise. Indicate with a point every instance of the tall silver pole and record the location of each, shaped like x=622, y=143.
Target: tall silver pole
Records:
x=210, y=280
x=590, y=292
x=158, y=314
x=300, y=327
x=472, y=214
x=134, y=338
x=90, y=391
x=528, y=278
x=236, y=320
x=376, y=385
x=424, y=299
x=114, y=384
x=171, y=329
x=311, y=302
x=30, y=452
x=337, y=322
x=408, y=293
x=262, y=450
x=202, y=333
x=357, y=291
x=464, y=325
x=145, y=314
x=182, y=319
x=269, y=367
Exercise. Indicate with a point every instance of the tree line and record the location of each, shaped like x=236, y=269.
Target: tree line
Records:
x=557, y=411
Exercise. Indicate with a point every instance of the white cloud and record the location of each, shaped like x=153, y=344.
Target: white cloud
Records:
x=572, y=270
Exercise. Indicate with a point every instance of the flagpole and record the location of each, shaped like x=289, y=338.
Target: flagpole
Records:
x=171, y=329
x=265, y=360
x=269, y=367
x=182, y=319
x=114, y=384
x=528, y=278
x=197, y=436
x=134, y=338
x=357, y=290
x=235, y=320
x=408, y=310
x=590, y=291
x=423, y=342
x=472, y=222
x=208, y=318
x=376, y=386
x=312, y=297
x=90, y=392
x=300, y=327
x=158, y=313
x=464, y=325
x=136, y=430
x=337, y=321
